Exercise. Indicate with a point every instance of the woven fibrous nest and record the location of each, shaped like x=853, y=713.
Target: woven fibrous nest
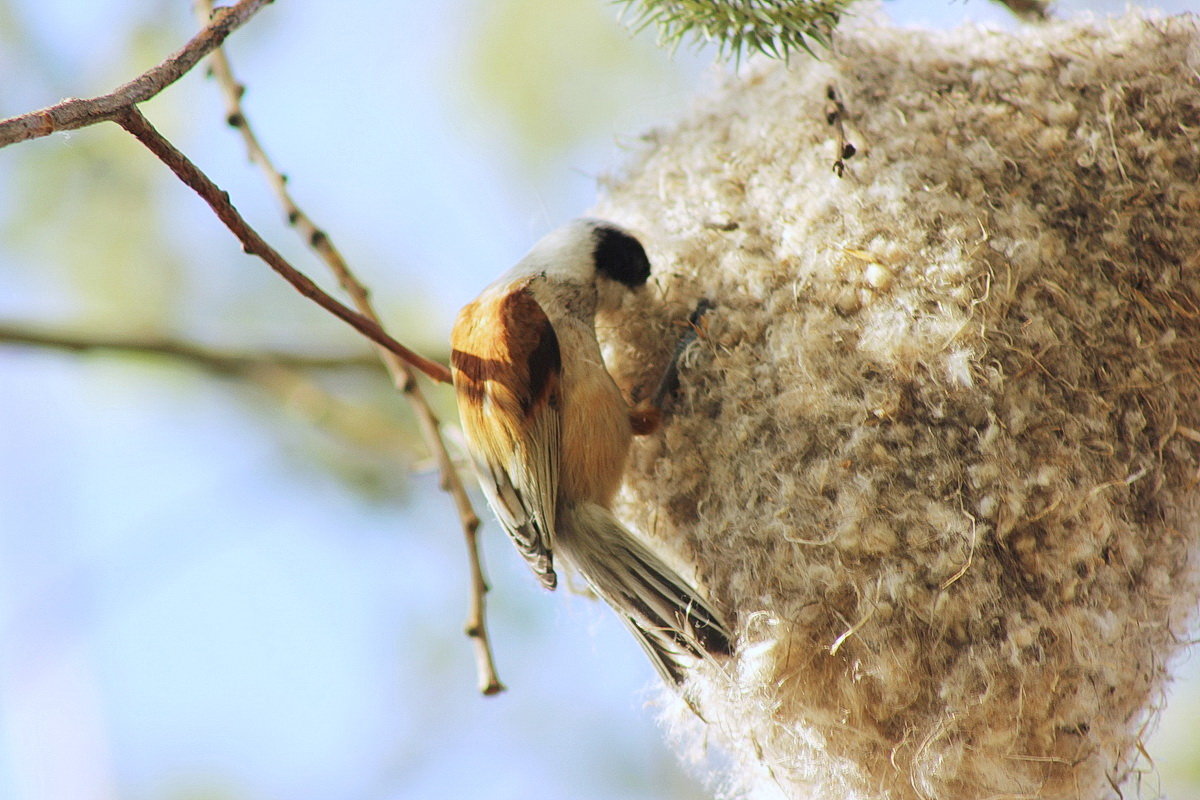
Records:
x=936, y=451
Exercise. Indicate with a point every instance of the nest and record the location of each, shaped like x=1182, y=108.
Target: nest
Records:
x=937, y=451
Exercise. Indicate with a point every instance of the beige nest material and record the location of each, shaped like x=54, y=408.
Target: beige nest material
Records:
x=936, y=452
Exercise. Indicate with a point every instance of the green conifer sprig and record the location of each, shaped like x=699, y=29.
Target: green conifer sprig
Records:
x=775, y=28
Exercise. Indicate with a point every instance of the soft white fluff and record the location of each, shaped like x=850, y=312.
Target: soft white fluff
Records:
x=937, y=452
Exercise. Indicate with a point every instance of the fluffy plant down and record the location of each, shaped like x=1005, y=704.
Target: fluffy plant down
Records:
x=936, y=454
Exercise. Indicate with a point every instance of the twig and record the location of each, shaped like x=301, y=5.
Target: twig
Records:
x=319, y=240
x=669, y=382
x=834, y=114
x=221, y=362
x=287, y=377
x=75, y=113
x=132, y=120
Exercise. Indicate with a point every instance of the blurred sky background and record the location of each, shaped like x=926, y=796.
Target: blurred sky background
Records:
x=220, y=590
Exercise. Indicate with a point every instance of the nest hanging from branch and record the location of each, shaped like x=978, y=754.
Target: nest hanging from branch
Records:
x=937, y=452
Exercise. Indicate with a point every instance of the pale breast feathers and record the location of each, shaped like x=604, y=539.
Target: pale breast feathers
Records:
x=507, y=367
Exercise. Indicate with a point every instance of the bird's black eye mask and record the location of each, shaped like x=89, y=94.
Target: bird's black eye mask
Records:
x=620, y=257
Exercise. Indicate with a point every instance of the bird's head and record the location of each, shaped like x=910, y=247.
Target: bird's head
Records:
x=591, y=252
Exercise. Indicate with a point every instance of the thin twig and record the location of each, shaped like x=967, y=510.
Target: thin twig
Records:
x=221, y=362
x=132, y=120
x=835, y=113
x=286, y=377
x=75, y=113
x=319, y=241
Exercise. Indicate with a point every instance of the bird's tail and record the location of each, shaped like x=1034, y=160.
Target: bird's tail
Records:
x=672, y=622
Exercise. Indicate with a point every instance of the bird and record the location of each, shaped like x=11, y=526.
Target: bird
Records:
x=549, y=434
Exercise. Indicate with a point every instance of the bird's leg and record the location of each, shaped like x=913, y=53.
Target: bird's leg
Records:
x=646, y=416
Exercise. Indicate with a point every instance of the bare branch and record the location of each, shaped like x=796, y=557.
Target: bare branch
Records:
x=75, y=113
x=132, y=120
x=221, y=362
x=319, y=240
x=285, y=377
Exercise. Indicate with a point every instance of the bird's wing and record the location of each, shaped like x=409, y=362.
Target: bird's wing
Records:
x=507, y=370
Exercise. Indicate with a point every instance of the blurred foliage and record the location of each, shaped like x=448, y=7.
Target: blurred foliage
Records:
x=556, y=72
x=355, y=428
x=205, y=787
x=10, y=32
x=86, y=214
x=83, y=205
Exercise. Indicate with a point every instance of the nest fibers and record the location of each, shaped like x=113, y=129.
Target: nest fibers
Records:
x=937, y=452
